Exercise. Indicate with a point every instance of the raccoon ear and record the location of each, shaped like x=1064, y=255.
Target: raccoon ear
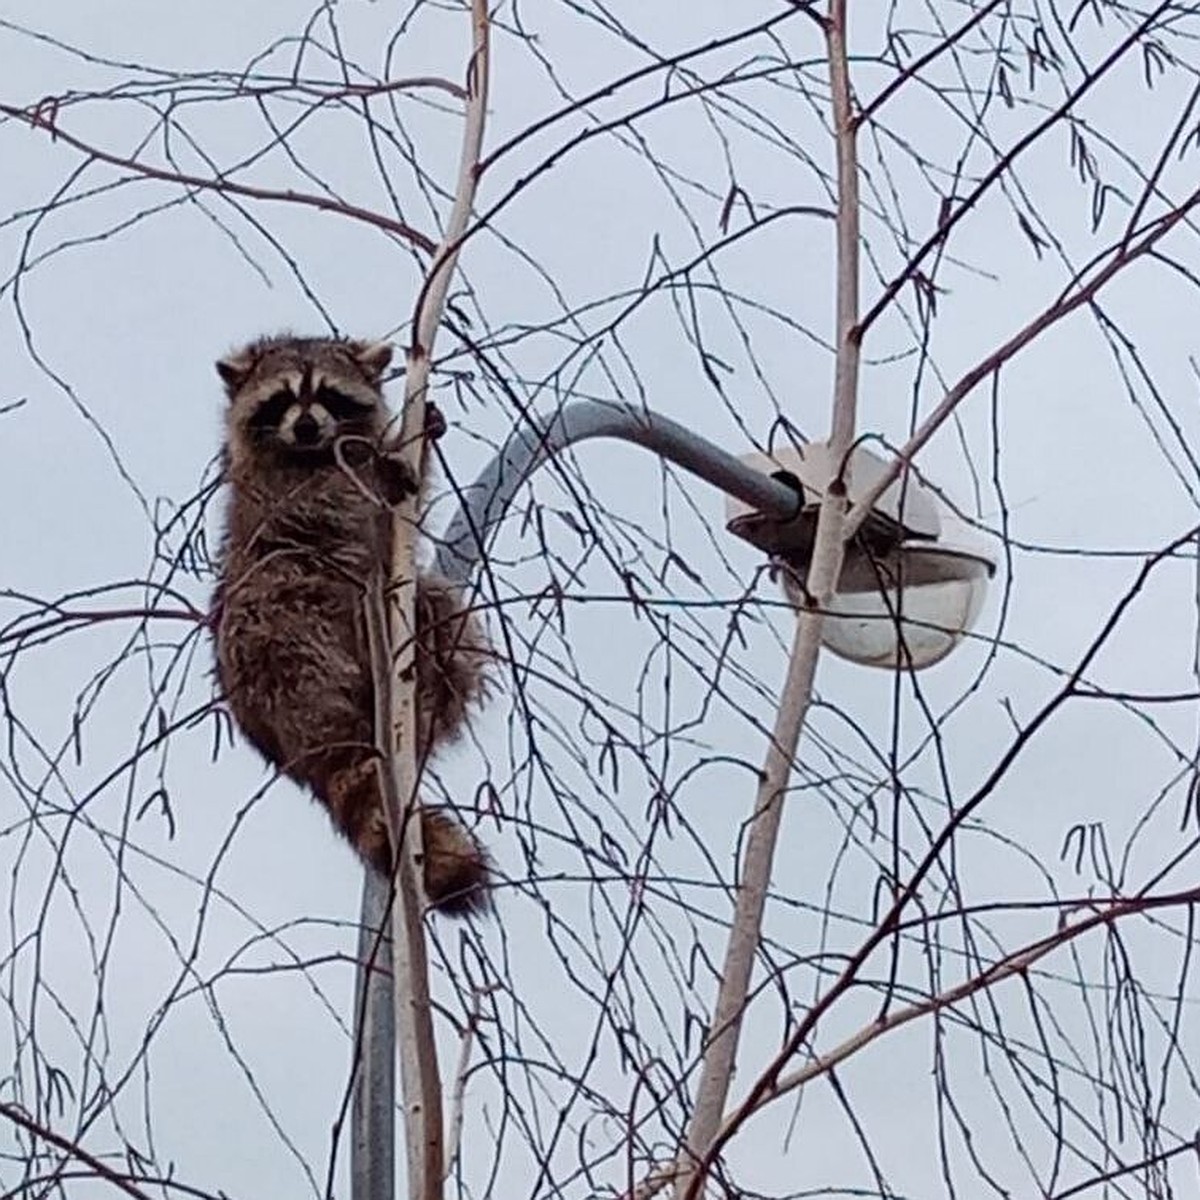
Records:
x=373, y=357
x=234, y=369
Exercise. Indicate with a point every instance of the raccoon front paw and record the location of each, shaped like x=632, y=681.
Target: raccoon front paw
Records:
x=397, y=479
x=435, y=422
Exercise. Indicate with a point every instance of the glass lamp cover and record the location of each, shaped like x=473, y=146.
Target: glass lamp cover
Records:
x=912, y=625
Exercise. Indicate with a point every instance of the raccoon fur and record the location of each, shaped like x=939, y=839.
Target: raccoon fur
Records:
x=306, y=421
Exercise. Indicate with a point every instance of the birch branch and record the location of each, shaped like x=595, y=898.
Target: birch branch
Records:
x=420, y=1082
x=721, y=1050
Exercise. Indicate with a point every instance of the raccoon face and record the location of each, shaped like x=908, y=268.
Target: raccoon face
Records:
x=301, y=418
x=295, y=397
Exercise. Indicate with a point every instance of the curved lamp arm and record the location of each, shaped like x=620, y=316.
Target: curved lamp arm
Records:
x=483, y=505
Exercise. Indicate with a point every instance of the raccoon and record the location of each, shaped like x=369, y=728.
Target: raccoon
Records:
x=305, y=429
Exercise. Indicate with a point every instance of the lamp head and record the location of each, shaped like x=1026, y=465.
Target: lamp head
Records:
x=905, y=597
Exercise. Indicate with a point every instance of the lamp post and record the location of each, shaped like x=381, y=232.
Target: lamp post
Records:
x=905, y=599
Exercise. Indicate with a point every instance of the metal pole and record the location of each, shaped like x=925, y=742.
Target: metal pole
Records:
x=372, y=1115
x=483, y=506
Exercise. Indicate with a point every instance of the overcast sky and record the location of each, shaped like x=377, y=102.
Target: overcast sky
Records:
x=168, y=958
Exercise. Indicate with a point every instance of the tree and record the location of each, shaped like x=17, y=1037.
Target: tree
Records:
x=950, y=912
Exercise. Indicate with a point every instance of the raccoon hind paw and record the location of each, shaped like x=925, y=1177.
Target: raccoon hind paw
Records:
x=457, y=867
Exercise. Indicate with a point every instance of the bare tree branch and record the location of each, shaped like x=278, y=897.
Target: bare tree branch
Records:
x=419, y=1076
x=746, y=932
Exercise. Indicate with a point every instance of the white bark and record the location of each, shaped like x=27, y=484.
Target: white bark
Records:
x=721, y=1051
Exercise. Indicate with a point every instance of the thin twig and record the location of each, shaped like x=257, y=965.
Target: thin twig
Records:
x=940, y=47
x=101, y=1168
x=1004, y=163
x=1122, y=257
x=459, y=1095
x=38, y=118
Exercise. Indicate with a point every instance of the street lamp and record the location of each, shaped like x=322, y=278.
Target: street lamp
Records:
x=906, y=595
x=905, y=598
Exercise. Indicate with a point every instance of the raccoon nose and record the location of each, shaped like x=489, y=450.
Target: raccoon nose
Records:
x=306, y=431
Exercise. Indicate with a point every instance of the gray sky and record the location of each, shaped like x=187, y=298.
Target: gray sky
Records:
x=127, y=295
